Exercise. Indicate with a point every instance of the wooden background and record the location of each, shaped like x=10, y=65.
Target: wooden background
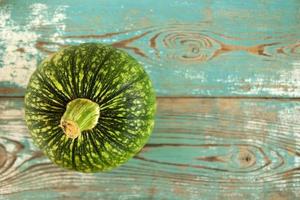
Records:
x=227, y=77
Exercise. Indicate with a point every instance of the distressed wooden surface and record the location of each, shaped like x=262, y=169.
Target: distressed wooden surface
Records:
x=189, y=48
x=200, y=149
x=242, y=145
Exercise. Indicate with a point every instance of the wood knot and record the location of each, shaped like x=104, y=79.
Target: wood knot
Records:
x=246, y=158
x=21, y=50
x=3, y=155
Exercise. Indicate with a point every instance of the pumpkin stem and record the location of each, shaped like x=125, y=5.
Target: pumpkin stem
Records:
x=80, y=115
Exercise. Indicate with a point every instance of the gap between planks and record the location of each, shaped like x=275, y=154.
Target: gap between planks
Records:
x=201, y=97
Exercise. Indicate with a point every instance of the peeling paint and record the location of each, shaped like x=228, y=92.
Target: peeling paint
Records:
x=16, y=66
x=287, y=83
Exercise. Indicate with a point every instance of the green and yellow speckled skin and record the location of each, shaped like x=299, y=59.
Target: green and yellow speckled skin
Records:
x=107, y=76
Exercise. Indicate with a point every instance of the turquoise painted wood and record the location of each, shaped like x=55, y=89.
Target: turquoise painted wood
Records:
x=200, y=149
x=189, y=48
x=227, y=74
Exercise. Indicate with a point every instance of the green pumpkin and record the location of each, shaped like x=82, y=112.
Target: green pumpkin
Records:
x=90, y=107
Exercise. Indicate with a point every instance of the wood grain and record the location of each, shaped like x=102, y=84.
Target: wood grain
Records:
x=244, y=145
x=200, y=149
x=189, y=48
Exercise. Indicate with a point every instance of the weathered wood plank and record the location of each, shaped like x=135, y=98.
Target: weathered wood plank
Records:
x=200, y=149
x=189, y=48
